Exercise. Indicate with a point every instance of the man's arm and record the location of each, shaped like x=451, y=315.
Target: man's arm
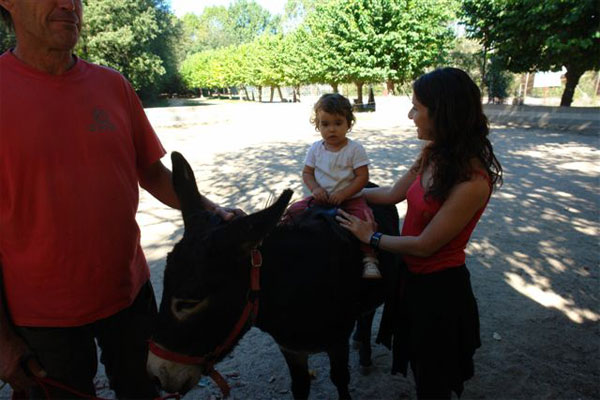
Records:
x=13, y=351
x=157, y=180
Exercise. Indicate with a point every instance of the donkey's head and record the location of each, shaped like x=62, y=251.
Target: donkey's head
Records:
x=206, y=280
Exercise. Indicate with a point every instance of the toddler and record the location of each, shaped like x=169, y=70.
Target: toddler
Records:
x=336, y=168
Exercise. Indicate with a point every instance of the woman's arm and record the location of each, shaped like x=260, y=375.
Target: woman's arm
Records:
x=393, y=194
x=464, y=201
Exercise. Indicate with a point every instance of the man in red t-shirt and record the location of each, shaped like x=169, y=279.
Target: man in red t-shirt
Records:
x=74, y=144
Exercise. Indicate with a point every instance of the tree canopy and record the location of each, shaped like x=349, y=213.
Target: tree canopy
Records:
x=136, y=37
x=347, y=41
x=538, y=35
x=218, y=26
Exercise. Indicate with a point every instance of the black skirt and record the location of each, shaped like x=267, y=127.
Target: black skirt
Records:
x=438, y=322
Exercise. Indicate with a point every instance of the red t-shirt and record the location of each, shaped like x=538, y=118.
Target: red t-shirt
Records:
x=418, y=215
x=70, y=147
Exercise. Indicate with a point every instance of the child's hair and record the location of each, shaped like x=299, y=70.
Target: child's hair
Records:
x=333, y=103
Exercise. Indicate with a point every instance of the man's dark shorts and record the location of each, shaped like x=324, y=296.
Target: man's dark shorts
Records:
x=69, y=355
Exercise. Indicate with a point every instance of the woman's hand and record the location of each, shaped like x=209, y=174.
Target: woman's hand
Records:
x=363, y=230
x=320, y=195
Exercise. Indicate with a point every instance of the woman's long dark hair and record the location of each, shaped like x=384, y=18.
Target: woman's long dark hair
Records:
x=460, y=130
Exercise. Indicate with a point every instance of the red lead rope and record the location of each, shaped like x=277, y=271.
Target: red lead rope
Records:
x=249, y=313
x=207, y=362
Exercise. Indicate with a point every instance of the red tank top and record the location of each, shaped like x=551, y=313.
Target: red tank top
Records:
x=418, y=215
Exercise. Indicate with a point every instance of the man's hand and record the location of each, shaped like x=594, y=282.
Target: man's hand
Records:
x=320, y=195
x=13, y=354
x=228, y=213
x=336, y=198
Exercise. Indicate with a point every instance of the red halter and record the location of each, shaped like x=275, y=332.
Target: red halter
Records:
x=207, y=362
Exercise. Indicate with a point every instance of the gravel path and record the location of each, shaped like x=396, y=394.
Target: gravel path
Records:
x=533, y=257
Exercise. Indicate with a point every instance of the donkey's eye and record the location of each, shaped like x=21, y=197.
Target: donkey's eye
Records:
x=183, y=305
x=185, y=308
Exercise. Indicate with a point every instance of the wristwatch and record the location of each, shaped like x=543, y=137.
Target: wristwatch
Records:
x=375, y=237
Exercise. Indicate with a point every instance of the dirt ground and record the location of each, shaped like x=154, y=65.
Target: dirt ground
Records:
x=533, y=257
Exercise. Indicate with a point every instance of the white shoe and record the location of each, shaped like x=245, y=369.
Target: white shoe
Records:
x=370, y=269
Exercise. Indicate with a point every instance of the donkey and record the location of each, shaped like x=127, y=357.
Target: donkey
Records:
x=307, y=297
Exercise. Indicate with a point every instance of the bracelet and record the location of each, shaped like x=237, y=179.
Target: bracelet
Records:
x=375, y=238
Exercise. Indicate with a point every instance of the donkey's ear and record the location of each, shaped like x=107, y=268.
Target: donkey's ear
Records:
x=249, y=231
x=185, y=186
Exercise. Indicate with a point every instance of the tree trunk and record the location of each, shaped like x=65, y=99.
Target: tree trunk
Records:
x=272, y=94
x=359, y=88
x=573, y=74
x=296, y=93
x=483, y=69
x=390, y=88
x=371, y=95
x=246, y=97
x=280, y=95
x=260, y=94
x=334, y=86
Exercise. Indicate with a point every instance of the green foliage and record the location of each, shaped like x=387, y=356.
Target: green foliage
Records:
x=218, y=26
x=295, y=13
x=373, y=40
x=135, y=37
x=7, y=38
x=248, y=20
x=538, y=35
x=359, y=41
x=497, y=81
x=206, y=31
x=465, y=54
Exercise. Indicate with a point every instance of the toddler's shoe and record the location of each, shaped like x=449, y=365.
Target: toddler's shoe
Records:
x=370, y=269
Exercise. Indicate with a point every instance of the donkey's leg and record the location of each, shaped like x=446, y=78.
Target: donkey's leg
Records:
x=340, y=374
x=363, y=336
x=298, y=364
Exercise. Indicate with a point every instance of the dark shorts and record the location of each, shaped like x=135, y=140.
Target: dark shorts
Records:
x=69, y=355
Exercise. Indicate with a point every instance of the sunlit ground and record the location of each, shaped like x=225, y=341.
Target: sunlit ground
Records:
x=243, y=153
x=533, y=257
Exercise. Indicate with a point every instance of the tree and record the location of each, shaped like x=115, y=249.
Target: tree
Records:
x=295, y=12
x=538, y=35
x=497, y=81
x=135, y=37
x=246, y=20
x=366, y=41
x=206, y=31
x=465, y=54
x=7, y=37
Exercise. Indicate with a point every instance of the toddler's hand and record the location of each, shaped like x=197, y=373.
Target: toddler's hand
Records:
x=320, y=195
x=336, y=198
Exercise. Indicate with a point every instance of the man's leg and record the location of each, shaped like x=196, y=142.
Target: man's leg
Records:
x=68, y=355
x=123, y=340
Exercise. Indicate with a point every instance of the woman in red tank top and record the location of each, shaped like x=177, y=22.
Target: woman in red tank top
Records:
x=447, y=189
